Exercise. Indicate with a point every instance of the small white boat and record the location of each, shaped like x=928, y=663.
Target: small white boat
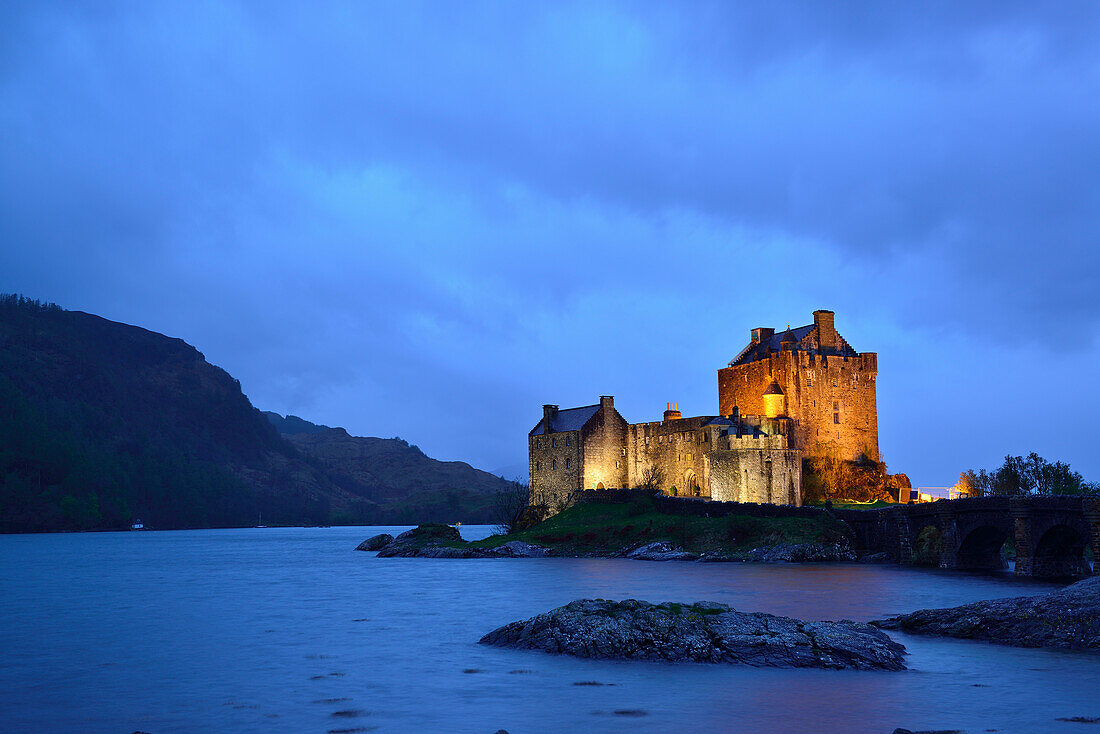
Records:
x=137, y=526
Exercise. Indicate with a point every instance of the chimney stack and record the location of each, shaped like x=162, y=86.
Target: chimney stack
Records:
x=672, y=412
x=826, y=331
x=607, y=402
x=549, y=412
x=761, y=333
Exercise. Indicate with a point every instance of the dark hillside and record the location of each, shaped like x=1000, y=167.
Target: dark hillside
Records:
x=406, y=484
x=102, y=423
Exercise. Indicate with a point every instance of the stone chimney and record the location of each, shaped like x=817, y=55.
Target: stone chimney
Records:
x=549, y=413
x=826, y=332
x=672, y=412
x=607, y=402
x=761, y=333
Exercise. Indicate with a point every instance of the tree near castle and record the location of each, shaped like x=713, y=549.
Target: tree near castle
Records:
x=1030, y=475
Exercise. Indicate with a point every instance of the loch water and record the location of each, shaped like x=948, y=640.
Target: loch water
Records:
x=291, y=630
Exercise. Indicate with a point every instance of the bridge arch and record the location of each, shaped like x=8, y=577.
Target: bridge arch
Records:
x=1060, y=552
x=980, y=549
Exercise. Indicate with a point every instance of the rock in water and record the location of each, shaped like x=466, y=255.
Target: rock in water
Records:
x=1068, y=618
x=519, y=549
x=377, y=542
x=660, y=551
x=704, y=632
x=425, y=540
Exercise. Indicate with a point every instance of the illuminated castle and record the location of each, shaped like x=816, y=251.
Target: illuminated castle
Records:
x=801, y=393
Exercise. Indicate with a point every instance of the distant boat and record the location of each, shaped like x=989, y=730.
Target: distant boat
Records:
x=261, y=521
x=137, y=526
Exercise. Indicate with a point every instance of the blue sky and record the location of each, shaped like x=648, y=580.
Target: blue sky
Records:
x=428, y=219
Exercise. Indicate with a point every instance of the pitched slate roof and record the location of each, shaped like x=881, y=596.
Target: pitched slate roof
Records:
x=570, y=419
x=753, y=352
x=774, y=389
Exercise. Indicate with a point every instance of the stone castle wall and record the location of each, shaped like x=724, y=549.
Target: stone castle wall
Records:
x=831, y=399
x=679, y=448
x=605, y=451
x=554, y=463
x=764, y=474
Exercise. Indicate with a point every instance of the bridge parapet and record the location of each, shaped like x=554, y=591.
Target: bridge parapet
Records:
x=1050, y=532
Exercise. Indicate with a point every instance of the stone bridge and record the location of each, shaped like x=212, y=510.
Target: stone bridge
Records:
x=1050, y=533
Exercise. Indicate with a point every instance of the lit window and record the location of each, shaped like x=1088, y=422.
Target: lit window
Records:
x=622, y=452
x=616, y=465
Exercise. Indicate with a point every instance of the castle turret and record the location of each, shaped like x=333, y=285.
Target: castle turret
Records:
x=775, y=402
x=787, y=342
x=672, y=412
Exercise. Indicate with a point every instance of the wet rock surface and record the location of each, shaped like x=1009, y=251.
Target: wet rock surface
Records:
x=1068, y=619
x=376, y=542
x=801, y=553
x=660, y=551
x=518, y=549
x=705, y=632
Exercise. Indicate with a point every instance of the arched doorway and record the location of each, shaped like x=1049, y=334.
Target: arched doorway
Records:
x=691, y=486
x=599, y=485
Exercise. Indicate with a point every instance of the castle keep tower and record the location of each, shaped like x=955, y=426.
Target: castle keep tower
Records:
x=811, y=375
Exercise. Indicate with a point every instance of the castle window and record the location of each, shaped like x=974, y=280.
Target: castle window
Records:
x=553, y=443
x=538, y=466
x=691, y=437
x=538, y=443
x=568, y=463
x=554, y=464
x=568, y=440
x=616, y=465
x=622, y=452
x=836, y=417
x=706, y=437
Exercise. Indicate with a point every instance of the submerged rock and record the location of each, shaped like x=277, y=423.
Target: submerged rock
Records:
x=660, y=551
x=376, y=542
x=705, y=632
x=519, y=549
x=802, y=553
x=1068, y=618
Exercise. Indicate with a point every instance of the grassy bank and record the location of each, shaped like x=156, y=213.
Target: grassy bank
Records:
x=602, y=529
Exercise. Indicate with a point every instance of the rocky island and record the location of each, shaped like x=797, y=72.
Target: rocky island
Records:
x=704, y=632
x=1067, y=619
x=640, y=531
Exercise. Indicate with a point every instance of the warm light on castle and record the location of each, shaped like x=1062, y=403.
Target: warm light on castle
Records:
x=799, y=394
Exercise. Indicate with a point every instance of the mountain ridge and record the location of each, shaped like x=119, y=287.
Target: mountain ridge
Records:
x=104, y=423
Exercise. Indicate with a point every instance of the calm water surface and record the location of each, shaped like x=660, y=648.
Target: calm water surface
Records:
x=272, y=630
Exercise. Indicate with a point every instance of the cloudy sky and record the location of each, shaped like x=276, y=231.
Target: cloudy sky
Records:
x=427, y=220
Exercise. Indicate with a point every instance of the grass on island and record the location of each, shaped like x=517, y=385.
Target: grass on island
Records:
x=597, y=528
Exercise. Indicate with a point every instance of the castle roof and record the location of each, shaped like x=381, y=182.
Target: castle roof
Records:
x=773, y=389
x=570, y=419
x=774, y=343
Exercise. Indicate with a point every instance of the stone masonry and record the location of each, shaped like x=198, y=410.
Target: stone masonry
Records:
x=797, y=394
